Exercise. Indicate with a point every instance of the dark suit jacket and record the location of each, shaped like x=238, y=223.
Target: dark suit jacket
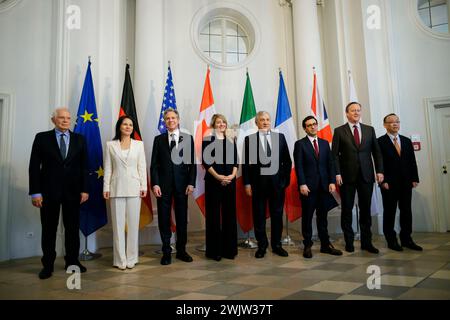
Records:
x=252, y=166
x=314, y=172
x=54, y=177
x=225, y=165
x=349, y=159
x=398, y=169
x=167, y=174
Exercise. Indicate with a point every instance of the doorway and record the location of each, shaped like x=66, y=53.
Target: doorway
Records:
x=439, y=129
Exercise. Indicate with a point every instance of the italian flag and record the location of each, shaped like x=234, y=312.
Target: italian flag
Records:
x=247, y=126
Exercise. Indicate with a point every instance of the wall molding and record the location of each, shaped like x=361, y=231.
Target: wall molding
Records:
x=6, y=138
x=60, y=48
x=8, y=4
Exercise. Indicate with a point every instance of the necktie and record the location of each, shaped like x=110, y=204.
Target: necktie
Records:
x=268, y=150
x=316, y=148
x=397, y=146
x=356, y=135
x=62, y=146
x=172, y=141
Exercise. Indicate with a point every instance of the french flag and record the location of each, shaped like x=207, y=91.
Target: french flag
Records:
x=285, y=125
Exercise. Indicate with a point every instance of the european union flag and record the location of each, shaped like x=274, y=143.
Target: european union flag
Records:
x=169, y=101
x=93, y=212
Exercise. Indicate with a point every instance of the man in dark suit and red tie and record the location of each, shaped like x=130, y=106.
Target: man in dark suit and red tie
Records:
x=266, y=172
x=173, y=173
x=354, y=146
x=316, y=179
x=58, y=176
x=400, y=177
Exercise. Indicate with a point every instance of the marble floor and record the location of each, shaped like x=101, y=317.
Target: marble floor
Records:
x=404, y=275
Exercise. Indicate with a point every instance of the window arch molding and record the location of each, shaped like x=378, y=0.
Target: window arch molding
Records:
x=234, y=13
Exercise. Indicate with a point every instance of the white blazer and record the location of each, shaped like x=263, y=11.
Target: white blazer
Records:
x=124, y=175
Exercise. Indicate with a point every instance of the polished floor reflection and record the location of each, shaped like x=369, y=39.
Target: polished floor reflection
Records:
x=404, y=275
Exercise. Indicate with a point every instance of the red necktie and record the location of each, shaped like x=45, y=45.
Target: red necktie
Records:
x=316, y=148
x=356, y=135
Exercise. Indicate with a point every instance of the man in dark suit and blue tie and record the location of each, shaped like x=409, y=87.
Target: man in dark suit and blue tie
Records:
x=316, y=179
x=58, y=176
x=173, y=172
x=400, y=177
x=354, y=146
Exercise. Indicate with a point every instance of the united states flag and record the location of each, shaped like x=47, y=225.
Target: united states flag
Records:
x=169, y=101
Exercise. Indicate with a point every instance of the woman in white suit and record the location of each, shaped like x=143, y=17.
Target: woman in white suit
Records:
x=125, y=183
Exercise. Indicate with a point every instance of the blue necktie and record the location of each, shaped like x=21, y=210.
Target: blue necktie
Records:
x=62, y=146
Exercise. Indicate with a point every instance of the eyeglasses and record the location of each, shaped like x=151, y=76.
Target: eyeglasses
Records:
x=392, y=122
x=311, y=125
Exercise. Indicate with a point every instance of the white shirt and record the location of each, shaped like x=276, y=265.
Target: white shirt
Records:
x=391, y=136
x=311, y=139
x=176, y=136
x=358, y=126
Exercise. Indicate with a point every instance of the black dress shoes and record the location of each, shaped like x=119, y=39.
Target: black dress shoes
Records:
x=395, y=246
x=280, y=251
x=166, y=259
x=260, y=253
x=370, y=248
x=330, y=250
x=349, y=248
x=45, y=273
x=217, y=258
x=307, y=252
x=184, y=256
x=411, y=245
x=79, y=265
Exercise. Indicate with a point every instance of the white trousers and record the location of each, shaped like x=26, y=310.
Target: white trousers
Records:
x=125, y=210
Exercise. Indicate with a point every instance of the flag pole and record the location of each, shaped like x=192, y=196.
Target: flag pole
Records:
x=357, y=235
x=248, y=243
x=287, y=240
x=86, y=255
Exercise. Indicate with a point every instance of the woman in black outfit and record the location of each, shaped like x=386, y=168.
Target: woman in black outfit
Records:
x=221, y=165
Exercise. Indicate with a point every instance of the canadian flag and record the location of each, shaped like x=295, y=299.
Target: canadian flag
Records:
x=207, y=110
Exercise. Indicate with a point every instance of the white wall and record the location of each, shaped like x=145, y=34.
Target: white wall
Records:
x=25, y=59
x=422, y=66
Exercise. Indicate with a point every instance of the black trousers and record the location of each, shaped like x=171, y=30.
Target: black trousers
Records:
x=266, y=192
x=220, y=218
x=348, y=191
x=397, y=195
x=50, y=219
x=164, y=205
x=315, y=201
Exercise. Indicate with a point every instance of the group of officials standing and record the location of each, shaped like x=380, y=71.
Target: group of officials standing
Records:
x=58, y=178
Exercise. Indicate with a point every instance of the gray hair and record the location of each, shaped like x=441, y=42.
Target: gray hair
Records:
x=171, y=110
x=260, y=114
x=57, y=110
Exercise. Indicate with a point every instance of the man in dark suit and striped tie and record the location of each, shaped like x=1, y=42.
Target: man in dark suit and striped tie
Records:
x=400, y=177
x=354, y=145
